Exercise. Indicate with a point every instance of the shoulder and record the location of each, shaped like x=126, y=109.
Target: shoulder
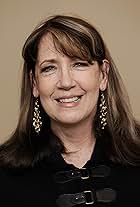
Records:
x=21, y=185
x=123, y=173
x=22, y=176
x=126, y=181
x=122, y=170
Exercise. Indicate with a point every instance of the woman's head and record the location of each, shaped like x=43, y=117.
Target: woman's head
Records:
x=77, y=40
x=73, y=38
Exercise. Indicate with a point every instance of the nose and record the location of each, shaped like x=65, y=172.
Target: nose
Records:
x=66, y=80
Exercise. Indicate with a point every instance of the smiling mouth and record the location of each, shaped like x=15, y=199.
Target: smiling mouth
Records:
x=69, y=100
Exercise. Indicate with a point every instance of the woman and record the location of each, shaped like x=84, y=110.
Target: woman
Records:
x=76, y=142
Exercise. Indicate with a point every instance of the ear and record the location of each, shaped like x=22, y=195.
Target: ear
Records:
x=34, y=85
x=105, y=72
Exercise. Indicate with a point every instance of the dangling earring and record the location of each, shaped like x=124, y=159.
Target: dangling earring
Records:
x=37, y=123
x=103, y=111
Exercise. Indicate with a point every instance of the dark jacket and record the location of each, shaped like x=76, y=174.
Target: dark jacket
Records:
x=52, y=183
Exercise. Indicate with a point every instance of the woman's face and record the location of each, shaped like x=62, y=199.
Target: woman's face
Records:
x=68, y=87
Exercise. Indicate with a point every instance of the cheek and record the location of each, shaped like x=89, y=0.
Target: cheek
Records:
x=45, y=88
x=90, y=81
x=91, y=84
x=45, y=91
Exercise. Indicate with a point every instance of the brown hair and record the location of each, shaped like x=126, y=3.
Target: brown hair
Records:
x=75, y=38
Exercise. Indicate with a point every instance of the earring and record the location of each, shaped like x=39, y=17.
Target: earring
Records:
x=37, y=123
x=103, y=111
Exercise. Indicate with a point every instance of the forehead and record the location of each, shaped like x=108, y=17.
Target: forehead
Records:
x=58, y=43
x=46, y=47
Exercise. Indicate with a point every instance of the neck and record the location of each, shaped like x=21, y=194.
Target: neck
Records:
x=74, y=137
x=78, y=140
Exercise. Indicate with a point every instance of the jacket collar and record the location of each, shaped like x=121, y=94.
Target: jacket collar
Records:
x=55, y=162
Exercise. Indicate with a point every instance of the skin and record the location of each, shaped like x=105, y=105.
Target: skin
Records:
x=58, y=77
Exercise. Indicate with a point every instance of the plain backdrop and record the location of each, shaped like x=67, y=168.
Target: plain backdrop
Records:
x=117, y=20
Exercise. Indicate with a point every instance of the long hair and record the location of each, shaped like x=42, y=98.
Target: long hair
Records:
x=74, y=37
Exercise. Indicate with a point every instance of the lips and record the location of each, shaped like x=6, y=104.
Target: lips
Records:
x=68, y=99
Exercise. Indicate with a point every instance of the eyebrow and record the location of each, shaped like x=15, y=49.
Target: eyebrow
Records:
x=48, y=61
x=55, y=61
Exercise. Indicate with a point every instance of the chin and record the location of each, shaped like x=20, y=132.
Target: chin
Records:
x=68, y=120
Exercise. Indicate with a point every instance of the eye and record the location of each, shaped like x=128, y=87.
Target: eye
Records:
x=50, y=69
x=81, y=65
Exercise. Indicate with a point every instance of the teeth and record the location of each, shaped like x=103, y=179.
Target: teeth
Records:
x=68, y=100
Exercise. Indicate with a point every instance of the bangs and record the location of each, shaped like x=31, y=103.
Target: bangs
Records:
x=72, y=45
x=73, y=39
